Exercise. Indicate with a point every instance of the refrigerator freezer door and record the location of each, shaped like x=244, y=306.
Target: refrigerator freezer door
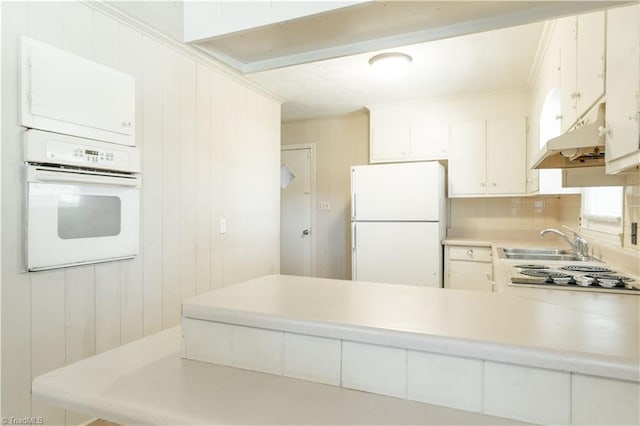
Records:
x=397, y=192
x=397, y=253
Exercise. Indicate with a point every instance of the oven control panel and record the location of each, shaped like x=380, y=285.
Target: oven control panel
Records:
x=57, y=149
x=86, y=156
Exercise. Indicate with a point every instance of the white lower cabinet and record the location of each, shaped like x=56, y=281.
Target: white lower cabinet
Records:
x=468, y=268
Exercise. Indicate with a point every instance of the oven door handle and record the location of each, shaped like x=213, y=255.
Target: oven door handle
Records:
x=47, y=176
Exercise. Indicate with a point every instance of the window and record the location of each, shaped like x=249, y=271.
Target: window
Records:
x=602, y=209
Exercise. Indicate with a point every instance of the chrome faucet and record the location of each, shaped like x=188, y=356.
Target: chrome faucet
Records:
x=579, y=244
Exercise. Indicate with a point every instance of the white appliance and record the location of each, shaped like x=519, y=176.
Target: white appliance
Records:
x=82, y=200
x=398, y=223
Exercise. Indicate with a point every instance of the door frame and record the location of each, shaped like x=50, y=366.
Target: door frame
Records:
x=312, y=149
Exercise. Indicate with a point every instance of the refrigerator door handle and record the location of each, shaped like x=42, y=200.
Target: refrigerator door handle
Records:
x=353, y=237
x=353, y=193
x=353, y=206
x=354, y=260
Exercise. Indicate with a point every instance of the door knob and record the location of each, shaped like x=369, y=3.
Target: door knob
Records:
x=305, y=232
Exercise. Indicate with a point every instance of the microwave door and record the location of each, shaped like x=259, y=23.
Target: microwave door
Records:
x=76, y=218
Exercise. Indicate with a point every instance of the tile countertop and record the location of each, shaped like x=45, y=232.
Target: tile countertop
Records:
x=493, y=326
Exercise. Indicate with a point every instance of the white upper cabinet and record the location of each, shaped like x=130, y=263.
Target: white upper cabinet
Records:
x=582, y=64
x=400, y=133
x=623, y=89
x=488, y=158
x=65, y=93
x=467, y=159
x=430, y=141
x=506, y=156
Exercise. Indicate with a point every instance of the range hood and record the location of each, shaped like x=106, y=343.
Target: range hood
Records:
x=583, y=146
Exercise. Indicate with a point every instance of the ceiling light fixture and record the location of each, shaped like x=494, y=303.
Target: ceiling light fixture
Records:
x=390, y=65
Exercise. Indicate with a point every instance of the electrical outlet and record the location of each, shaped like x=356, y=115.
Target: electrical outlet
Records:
x=325, y=205
x=634, y=233
x=223, y=226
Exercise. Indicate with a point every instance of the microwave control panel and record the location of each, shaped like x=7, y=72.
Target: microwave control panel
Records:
x=86, y=156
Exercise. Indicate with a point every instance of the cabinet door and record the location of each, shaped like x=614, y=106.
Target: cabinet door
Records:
x=463, y=275
x=68, y=94
x=506, y=156
x=429, y=141
x=623, y=81
x=590, y=60
x=389, y=143
x=467, y=159
x=566, y=29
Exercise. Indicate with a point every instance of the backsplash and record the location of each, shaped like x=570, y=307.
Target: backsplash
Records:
x=515, y=213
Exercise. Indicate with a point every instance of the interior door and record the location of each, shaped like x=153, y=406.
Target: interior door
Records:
x=295, y=212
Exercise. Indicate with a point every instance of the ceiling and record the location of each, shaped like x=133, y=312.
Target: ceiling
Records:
x=319, y=63
x=485, y=62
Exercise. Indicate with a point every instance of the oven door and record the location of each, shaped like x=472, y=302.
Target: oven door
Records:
x=76, y=217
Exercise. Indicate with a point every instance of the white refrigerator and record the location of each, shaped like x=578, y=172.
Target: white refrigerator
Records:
x=398, y=223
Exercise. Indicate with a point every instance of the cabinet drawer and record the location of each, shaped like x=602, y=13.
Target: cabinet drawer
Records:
x=478, y=254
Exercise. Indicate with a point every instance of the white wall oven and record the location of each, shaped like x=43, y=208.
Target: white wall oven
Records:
x=82, y=201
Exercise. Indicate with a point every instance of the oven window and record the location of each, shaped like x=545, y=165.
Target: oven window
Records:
x=88, y=216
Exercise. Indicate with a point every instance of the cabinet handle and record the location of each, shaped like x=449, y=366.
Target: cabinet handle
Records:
x=482, y=184
x=126, y=124
x=635, y=116
x=574, y=95
x=493, y=184
x=470, y=253
x=488, y=276
x=604, y=131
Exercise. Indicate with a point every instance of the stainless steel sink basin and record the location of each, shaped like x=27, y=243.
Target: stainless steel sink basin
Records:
x=565, y=257
x=526, y=251
x=538, y=254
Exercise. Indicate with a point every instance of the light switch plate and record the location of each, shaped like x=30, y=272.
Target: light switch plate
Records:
x=325, y=205
x=223, y=226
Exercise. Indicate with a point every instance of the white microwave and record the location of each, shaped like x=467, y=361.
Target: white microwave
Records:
x=82, y=201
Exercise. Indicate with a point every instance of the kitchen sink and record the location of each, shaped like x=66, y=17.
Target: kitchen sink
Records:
x=566, y=257
x=538, y=254
x=526, y=251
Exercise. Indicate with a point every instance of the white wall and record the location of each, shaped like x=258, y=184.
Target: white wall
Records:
x=210, y=149
x=341, y=142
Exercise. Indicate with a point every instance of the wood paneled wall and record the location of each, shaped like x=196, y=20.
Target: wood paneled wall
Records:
x=340, y=142
x=210, y=150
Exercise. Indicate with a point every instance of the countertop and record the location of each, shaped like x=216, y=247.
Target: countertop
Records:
x=146, y=382
x=621, y=306
x=495, y=326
